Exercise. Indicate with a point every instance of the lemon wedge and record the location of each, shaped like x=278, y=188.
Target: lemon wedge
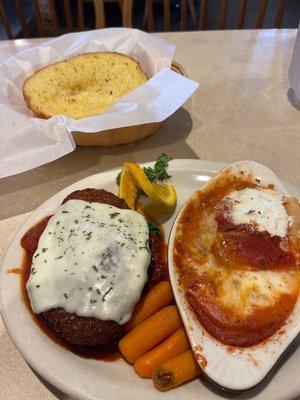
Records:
x=128, y=188
x=162, y=197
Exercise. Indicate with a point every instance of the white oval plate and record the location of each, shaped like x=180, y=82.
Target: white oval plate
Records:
x=241, y=368
x=90, y=379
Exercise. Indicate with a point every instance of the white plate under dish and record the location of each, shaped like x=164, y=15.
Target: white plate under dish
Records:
x=90, y=379
x=239, y=368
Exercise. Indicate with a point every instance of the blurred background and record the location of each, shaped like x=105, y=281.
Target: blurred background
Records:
x=35, y=18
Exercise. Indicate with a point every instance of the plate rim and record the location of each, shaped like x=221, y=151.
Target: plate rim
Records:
x=179, y=164
x=225, y=381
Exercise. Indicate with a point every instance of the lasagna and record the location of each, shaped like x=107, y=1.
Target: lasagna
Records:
x=236, y=252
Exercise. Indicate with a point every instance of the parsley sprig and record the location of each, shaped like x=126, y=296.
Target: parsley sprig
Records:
x=154, y=228
x=156, y=173
x=159, y=172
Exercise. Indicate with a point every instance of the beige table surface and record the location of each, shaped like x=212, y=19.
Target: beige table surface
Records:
x=241, y=111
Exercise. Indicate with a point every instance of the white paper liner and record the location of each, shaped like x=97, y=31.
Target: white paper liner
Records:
x=27, y=142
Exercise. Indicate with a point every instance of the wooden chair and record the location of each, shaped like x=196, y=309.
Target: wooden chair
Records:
x=39, y=17
x=185, y=7
x=189, y=5
x=242, y=14
x=126, y=9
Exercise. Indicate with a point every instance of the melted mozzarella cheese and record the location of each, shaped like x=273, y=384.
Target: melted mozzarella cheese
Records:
x=245, y=291
x=261, y=208
x=92, y=260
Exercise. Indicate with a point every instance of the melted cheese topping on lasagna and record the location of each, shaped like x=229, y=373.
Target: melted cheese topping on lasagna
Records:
x=244, y=290
x=261, y=208
x=239, y=276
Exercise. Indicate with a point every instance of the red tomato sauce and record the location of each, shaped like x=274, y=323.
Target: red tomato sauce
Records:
x=157, y=272
x=257, y=250
x=203, y=237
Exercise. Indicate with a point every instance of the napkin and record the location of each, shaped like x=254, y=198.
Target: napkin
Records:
x=27, y=142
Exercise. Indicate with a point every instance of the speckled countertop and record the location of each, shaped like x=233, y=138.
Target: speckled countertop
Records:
x=239, y=112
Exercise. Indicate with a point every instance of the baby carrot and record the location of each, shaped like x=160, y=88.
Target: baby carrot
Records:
x=150, y=333
x=174, y=345
x=175, y=372
x=158, y=297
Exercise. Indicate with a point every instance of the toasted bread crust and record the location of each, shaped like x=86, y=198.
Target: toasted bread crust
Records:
x=38, y=107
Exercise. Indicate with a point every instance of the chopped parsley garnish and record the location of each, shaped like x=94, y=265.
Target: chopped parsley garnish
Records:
x=65, y=212
x=159, y=172
x=154, y=228
x=66, y=296
x=156, y=173
x=103, y=277
x=114, y=215
x=93, y=301
x=37, y=286
x=95, y=268
x=44, y=249
x=118, y=178
x=58, y=258
x=71, y=234
x=88, y=235
x=87, y=207
x=144, y=247
x=76, y=221
x=106, y=293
